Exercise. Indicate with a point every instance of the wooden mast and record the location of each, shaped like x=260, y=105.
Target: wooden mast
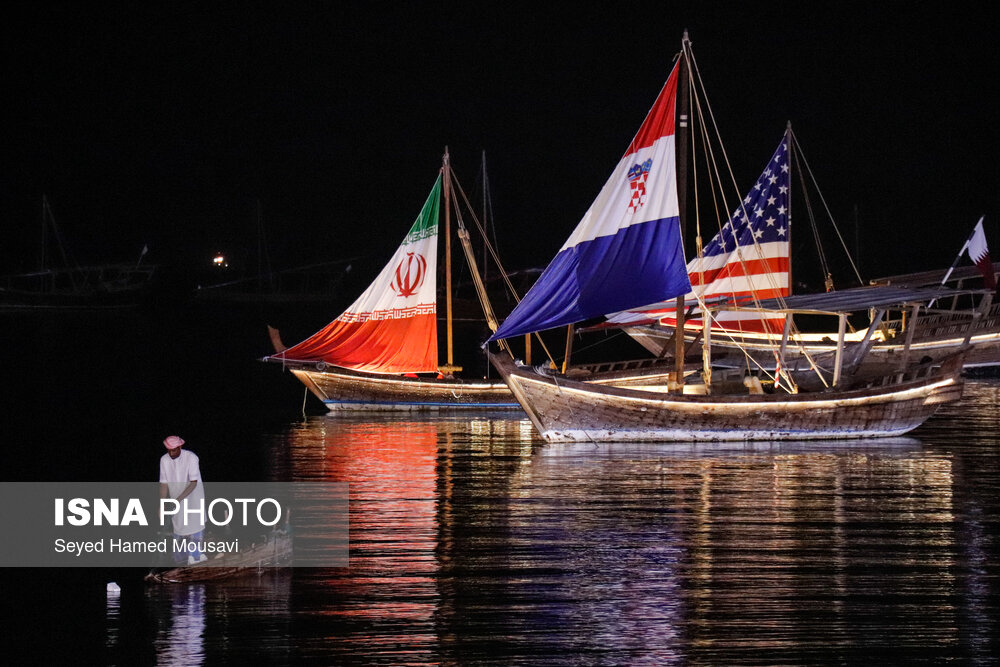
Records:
x=450, y=367
x=788, y=140
x=682, y=158
x=569, y=347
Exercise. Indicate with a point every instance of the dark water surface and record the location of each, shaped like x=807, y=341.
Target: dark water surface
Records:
x=472, y=541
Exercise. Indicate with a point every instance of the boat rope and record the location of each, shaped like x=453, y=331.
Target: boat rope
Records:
x=600, y=342
x=824, y=266
x=717, y=190
x=477, y=279
x=489, y=219
x=707, y=118
x=77, y=275
x=789, y=386
x=826, y=208
x=555, y=381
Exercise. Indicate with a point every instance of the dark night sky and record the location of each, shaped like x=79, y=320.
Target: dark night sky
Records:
x=162, y=123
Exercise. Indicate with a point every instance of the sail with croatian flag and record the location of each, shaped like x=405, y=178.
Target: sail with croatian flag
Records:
x=747, y=261
x=627, y=250
x=392, y=326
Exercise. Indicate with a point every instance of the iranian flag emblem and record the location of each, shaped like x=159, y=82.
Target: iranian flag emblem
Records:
x=410, y=273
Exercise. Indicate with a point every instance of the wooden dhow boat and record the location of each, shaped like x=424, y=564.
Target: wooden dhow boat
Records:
x=936, y=329
x=628, y=252
x=382, y=352
x=943, y=328
x=855, y=401
x=750, y=258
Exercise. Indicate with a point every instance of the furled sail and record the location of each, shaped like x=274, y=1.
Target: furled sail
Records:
x=748, y=259
x=392, y=327
x=626, y=251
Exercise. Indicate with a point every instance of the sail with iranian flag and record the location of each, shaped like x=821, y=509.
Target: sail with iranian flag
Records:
x=392, y=327
x=626, y=251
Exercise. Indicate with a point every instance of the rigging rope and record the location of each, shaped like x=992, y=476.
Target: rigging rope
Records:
x=493, y=254
x=826, y=208
x=824, y=266
x=795, y=334
x=739, y=254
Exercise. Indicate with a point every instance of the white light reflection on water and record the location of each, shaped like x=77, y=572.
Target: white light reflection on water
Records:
x=243, y=621
x=181, y=640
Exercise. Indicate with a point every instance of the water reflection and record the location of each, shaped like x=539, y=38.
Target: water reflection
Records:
x=766, y=547
x=473, y=541
x=112, y=619
x=403, y=474
x=180, y=640
x=247, y=619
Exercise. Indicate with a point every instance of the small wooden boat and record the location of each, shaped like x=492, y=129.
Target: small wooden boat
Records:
x=274, y=551
x=628, y=252
x=382, y=352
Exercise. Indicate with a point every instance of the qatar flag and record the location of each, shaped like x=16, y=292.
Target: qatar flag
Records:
x=980, y=254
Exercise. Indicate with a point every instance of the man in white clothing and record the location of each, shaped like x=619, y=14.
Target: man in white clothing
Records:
x=180, y=479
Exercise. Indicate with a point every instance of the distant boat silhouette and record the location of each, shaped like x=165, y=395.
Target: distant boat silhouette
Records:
x=71, y=286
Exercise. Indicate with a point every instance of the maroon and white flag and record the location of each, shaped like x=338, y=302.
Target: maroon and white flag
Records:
x=980, y=254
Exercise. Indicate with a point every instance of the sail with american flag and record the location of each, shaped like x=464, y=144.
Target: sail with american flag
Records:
x=392, y=327
x=747, y=261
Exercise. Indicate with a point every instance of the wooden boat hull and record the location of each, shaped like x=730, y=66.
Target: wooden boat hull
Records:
x=276, y=551
x=565, y=410
x=340, y=389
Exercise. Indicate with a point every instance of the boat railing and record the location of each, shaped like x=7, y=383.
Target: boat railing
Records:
x=950, y=324
x=618, y=366
x=918, y=371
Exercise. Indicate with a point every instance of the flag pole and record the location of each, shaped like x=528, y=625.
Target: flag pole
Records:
x=142, y=253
